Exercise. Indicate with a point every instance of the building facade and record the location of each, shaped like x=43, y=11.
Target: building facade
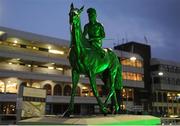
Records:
x=165, y=87
x=42, y=62
x=143, y=95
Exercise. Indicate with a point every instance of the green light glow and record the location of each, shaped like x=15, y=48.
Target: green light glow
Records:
x=137, y=122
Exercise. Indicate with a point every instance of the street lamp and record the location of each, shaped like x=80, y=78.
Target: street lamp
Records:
x=133, y=58
x=160, y=73
x=153, y=84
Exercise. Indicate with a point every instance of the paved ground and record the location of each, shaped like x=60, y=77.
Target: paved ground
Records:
x=94, y=120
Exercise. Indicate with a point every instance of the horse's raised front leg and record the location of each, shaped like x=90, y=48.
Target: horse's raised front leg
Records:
x=75, y=80
x=92, y=78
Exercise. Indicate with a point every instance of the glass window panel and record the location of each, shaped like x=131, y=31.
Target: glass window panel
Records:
x=48, y=89
x=57, y=90
x=11, y=87
x=67, y=90
x=2, y=86
x=128, y=62
x=132, y=76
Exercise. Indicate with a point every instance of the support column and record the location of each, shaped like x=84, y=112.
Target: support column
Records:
x=1, y=111
x=51, y=111
x=157, y=101
x=178, y=108
x=5, y=87
x=173, y=104
x=83, y=110
x=162, y=101
x=167, y=104
x=19, y=102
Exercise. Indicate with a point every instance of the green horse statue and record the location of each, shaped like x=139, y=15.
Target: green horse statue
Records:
x=86, y=60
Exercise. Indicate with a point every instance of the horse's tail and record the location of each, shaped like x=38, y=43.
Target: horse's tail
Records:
x=118, y=80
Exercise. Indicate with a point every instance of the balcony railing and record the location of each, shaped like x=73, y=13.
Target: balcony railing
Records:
x=170, y=87
x=32, y=55
x=7, y=97
x=78, y=99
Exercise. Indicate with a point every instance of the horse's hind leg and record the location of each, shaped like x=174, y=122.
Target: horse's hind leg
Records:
x=112, y=90
x=75, y=79
x=116, y=109
x=92, y=79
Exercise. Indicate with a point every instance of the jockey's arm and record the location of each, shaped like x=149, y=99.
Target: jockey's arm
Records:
x=85, y=32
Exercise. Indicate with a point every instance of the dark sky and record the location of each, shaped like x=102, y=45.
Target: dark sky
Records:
x=158, y=20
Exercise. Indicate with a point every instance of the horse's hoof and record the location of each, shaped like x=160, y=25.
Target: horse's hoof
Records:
x=66, y=114
x=115, y=111
x=105, y=111
x=105, y=114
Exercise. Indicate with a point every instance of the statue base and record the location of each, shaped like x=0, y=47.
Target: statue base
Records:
x=94, y=120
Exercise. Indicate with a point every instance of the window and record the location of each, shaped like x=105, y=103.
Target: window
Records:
x=8, y=108
x=86, y=91
x=57, y=90
x=23, y=46
x=155, y=67
x=11, y=87
x=178, y=81
x=128, y=62
x=128, y=94
x=178, y=70
x=166, y=67
x=48, y=89
x=164, y=97
x=173, y=81
x=161, y=67
x=43, y=49
x=132, y=76
x=159, y=97
x=139, y=63
x=154, y=97
x=67, y=90
x=78, y=91
x=2, y=86
x=99, y=88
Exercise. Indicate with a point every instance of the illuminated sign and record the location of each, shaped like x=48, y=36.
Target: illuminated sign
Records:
x=31, y=102
x=34, y=92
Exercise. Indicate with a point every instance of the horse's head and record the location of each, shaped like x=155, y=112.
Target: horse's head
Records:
x=74, y=14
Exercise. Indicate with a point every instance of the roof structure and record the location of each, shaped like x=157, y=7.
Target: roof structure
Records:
x=34, y=37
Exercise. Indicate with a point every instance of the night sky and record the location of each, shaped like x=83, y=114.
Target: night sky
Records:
x=124, y=20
